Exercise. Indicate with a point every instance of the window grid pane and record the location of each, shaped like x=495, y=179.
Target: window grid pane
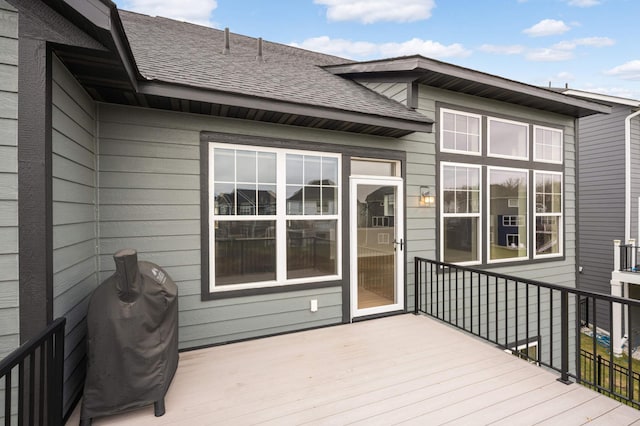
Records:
x=460, y=132
x=548, y=213
x=548, y=143
x=461, y=211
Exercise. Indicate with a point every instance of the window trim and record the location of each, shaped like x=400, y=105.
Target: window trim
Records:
x=527, y=212
x=442, y=130
x=477, y=215
x=559, y=215
x=281, y=218
x=527, y=127
x=535, y=145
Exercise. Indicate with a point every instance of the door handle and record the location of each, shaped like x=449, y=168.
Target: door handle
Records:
x=401, y=243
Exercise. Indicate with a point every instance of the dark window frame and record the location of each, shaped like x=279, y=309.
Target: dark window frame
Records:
x=484, y=160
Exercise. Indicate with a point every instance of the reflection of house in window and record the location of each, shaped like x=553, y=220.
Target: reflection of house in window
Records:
x=380, y=205
x=319, y=197
x=247, y=203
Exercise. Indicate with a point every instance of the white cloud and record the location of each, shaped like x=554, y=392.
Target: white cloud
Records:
x=365, y=50
x=595, y=41
x=588, y=41
x=583, y=3
x=370, y=11
x=549, y=55
x=626, y=71
x=194, y=11
x=547, y=27
x=502, y=50
x=339, y=47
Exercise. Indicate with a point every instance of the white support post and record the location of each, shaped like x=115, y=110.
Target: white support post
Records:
x=616, y=327
x=632, y=247
x=616, y=290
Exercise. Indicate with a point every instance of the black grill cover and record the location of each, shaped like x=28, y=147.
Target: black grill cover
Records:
x=132, y=335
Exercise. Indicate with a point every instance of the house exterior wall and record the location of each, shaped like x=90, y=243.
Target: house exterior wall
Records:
x=635, y=175
x=601, y=199
x=9, y=303
x=561, y=272
x=149, y=197
x=74, y=217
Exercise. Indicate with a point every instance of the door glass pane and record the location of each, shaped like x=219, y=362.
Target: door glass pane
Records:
x=376, y=250
x=374, y=168
x=245, y=251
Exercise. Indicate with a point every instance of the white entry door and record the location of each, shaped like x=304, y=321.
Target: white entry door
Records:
x=377, y=245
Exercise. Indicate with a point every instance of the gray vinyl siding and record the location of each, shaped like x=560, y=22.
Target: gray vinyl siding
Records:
x=149, y=197
x=601, y=198
x=74, y=217
x=635, y=175
x=9, y=303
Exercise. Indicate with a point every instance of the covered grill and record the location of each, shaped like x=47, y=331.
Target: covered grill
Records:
x=132, y=335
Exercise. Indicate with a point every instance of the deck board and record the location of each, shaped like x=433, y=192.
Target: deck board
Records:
x=404, y=369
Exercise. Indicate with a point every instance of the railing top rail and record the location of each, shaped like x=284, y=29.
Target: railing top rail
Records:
x=23, y=351
x=601, y=296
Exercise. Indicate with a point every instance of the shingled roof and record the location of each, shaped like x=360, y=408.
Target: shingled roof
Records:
x=190, y=55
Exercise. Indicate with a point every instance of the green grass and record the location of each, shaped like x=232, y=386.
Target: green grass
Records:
x=589, y=371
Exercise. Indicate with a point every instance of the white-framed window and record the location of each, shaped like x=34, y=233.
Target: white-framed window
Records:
x=509, y=240
x=548, y=214
x=461, y=208
x=507, y=139
x=547, y=145
x=460, y=132
x=511, y=224
x=528, y=350
x=274, y=216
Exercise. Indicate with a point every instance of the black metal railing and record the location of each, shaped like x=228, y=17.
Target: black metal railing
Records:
x=629, y=260
x=32, y=379
x=607, y=375
x=519, y=314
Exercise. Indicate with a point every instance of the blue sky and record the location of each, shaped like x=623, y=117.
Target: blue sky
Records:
x=590, y=45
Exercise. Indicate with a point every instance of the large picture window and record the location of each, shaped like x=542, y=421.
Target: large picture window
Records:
x=506, y=204
x=508, y=236
x=508, y=139
x=274, y=216
x=461, y=212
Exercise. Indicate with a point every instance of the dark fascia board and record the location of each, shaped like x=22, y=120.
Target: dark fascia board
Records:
x=419, y=64
x=170, y=90
x=102, y=20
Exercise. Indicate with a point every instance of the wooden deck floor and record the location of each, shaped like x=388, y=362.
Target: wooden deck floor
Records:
x=399, y=370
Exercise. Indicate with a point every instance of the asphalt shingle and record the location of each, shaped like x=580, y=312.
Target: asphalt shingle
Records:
x=187, y=54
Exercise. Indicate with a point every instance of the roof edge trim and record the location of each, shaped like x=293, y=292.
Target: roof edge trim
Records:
x=422, y=64
x=233, y=99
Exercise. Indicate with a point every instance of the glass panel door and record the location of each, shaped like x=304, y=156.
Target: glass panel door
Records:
x=377, y=246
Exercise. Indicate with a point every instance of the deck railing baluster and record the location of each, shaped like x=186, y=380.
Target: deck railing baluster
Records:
x=509, y=332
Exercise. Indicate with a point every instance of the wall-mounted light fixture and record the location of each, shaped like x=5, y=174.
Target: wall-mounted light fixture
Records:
x=427, y=199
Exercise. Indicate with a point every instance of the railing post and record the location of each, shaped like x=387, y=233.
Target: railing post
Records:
x=416, y=283
x=616, y=255
x=632, y=247
x=564, y=337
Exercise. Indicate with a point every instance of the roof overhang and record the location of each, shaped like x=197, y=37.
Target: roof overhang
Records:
x=599, y=97
x=112, y=76
x=464, y=80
